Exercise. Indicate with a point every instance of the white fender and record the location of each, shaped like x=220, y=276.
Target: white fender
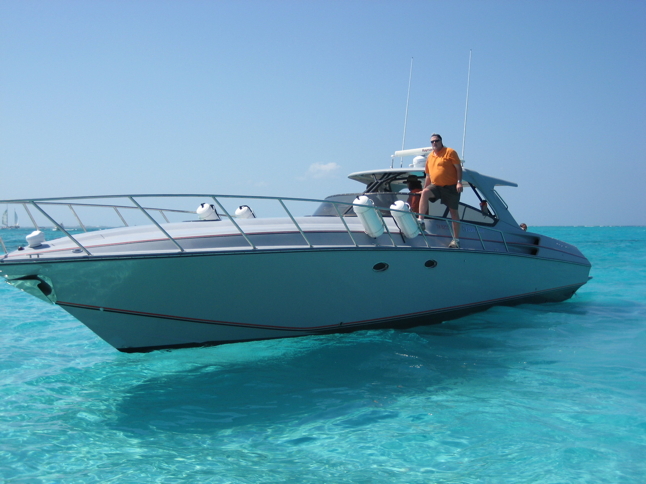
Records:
x=207, y=212
x=35, y=239
x=370, y=219
x=244, y=211
x=405, y=219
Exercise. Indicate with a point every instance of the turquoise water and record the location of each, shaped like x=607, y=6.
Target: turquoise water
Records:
x=551, y=393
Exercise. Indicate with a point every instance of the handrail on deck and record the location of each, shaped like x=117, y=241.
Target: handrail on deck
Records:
x=39, y=203
x=253, y=246
x=87, y=252
x=181, y=249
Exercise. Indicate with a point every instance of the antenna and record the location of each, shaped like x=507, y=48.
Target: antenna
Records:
x=466, y=109
x=410, y=76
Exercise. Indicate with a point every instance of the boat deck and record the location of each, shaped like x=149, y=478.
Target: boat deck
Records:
x=301, y=233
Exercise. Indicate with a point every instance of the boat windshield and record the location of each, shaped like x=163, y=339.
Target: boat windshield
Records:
x=384, y=200
x=387, y=188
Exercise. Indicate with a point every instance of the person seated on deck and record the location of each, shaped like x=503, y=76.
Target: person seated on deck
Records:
x=523, y=226
x=414, y=188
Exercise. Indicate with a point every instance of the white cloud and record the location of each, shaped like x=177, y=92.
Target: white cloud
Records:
x=319, y=170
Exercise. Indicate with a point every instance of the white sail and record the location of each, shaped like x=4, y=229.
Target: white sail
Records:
x=5, y=218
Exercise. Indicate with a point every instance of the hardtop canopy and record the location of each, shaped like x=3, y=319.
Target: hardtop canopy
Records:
x=468, y=176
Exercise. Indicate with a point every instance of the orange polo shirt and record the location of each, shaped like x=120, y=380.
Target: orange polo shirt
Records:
x=441, y=167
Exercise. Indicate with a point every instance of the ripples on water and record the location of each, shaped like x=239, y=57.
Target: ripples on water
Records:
x=539, y=393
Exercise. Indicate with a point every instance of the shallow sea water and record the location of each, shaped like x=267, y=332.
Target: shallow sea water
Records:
x=552, y=393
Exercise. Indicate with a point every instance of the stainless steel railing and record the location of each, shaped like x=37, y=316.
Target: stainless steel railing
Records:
x=42, y=206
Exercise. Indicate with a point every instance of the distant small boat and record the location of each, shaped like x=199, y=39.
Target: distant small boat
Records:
x=5, y=220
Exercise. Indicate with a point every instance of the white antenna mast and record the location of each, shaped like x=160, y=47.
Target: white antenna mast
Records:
x=466, y=109
x=410, y=76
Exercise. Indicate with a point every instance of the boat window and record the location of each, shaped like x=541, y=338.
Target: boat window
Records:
x=380, y=199
x=471, y=207
x=391, y=187
x=501, y=199
x=475, y=215
x=380, y=267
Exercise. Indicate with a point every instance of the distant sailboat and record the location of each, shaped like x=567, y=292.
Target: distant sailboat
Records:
x=5, y=220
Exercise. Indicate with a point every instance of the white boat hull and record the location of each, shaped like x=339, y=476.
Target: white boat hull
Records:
x=146, y=303
x=166, y=275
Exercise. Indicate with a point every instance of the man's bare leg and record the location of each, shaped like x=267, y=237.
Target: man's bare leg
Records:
x=456, y=226
x=424, y=195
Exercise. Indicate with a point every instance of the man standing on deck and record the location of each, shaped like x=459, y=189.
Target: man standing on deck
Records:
x=443, y=182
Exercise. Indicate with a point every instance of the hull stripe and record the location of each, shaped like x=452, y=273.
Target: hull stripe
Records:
x=490, y=302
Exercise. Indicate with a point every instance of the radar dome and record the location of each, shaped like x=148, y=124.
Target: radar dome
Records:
x=419, y=162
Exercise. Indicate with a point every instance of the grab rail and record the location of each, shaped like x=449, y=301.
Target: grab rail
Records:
x=72, y=202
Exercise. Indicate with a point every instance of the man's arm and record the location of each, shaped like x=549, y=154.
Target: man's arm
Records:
x=458, y=169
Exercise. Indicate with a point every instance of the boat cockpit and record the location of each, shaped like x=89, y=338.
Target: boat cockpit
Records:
x=388, y=186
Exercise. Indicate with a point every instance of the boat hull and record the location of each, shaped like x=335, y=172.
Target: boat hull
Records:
x=143, y=303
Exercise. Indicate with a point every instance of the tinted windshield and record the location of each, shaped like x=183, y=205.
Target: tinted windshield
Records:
x=387, y=188
x=468, y=213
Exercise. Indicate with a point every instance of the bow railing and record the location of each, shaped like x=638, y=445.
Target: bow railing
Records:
x=71, y=215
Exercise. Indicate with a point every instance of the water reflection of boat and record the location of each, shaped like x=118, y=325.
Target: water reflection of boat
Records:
x=227, y=276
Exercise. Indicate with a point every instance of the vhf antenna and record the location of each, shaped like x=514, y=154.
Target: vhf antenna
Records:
x=466, y=109
x=410, y=76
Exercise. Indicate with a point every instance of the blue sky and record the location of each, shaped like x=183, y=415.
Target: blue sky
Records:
x=289, y=97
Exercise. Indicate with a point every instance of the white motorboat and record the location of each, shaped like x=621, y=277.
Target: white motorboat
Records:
x=231, y=274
